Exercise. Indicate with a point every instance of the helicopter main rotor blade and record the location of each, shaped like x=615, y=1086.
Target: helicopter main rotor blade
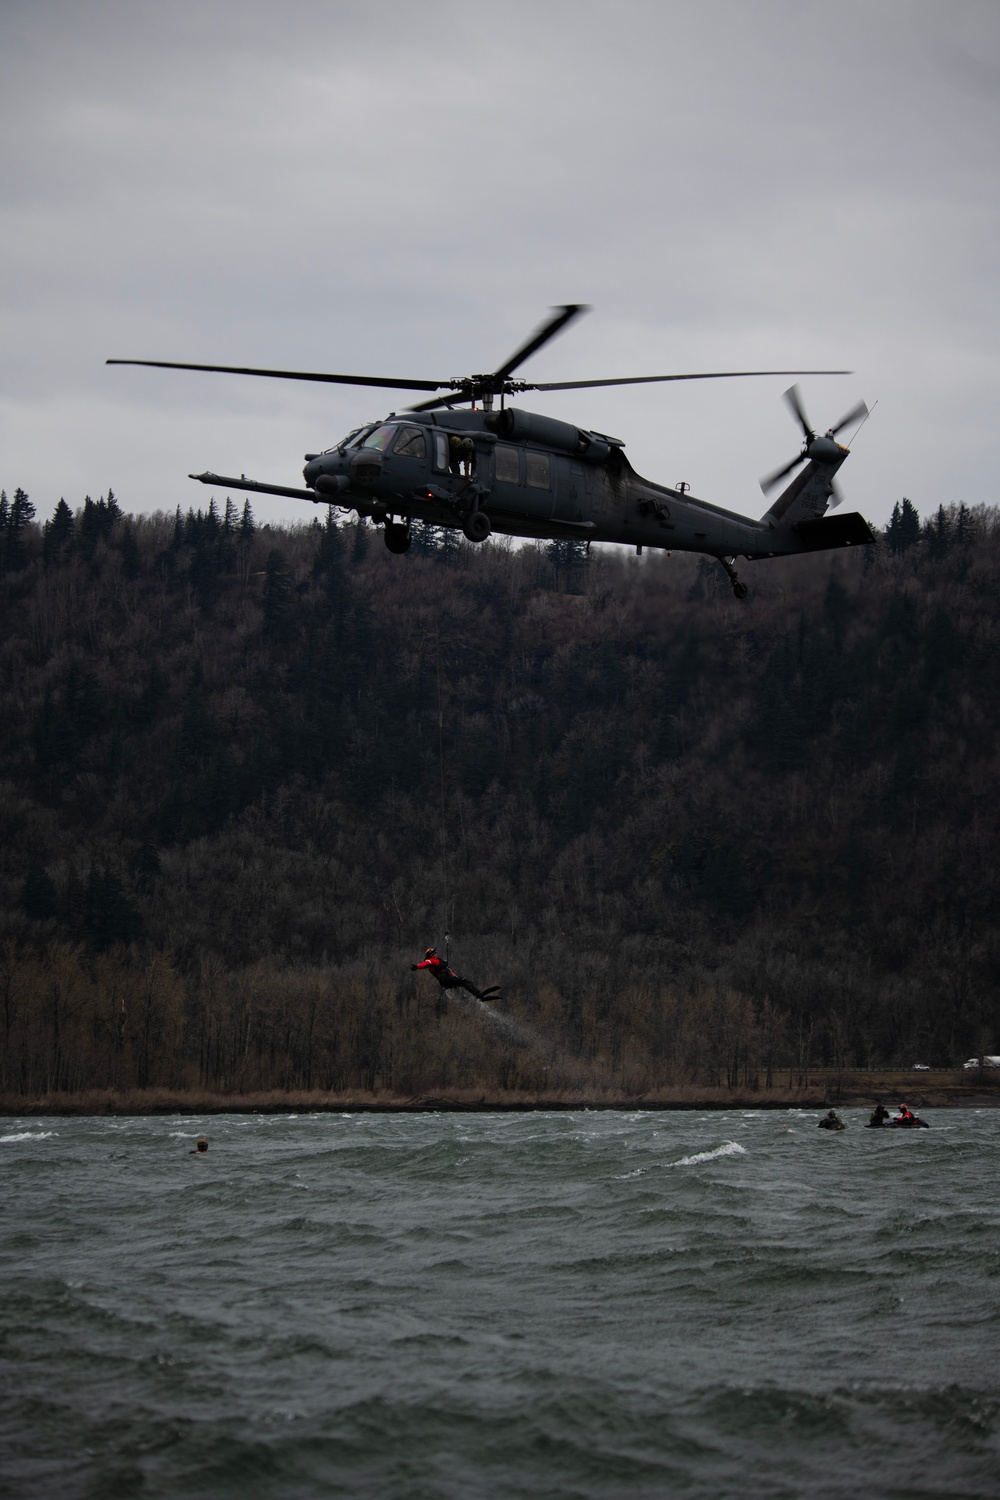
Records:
x=564, y=315
x=397, y=385
x=579, y=385
x=861, y=410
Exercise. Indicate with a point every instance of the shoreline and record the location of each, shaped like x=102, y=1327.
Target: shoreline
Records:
x=820, y=1093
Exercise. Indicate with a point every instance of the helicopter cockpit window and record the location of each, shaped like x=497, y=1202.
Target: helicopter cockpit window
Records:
x=537, y=475
x=380, y=438
x=410, y=443
x=506, y=465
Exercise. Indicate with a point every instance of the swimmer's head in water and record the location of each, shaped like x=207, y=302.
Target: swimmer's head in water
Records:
x=201, y=1144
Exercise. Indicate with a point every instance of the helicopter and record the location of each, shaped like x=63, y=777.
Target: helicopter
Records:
x=500, y=468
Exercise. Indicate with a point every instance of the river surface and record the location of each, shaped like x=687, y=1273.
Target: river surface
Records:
x=545, y=1305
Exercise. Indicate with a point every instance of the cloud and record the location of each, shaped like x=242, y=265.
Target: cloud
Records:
x=405, y=190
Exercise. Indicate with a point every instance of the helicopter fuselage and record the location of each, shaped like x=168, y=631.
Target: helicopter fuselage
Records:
x=522, y=474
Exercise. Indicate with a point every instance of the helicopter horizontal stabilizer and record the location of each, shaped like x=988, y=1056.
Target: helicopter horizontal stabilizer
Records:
x=828, y=532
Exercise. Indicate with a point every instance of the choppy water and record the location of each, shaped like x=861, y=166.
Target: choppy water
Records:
x=584, y=1305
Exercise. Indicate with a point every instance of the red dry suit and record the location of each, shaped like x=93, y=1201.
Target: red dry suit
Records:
x=449, y=980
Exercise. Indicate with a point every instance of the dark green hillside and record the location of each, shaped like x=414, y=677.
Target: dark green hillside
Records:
x=246, y=775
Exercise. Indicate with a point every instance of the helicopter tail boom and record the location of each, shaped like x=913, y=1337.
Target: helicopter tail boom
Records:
x=817, y=534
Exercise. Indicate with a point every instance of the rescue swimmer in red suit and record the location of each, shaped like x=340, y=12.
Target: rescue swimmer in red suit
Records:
x=449, y=980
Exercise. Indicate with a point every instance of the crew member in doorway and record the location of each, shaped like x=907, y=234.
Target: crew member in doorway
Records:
x=461, y=456
x=449, y=980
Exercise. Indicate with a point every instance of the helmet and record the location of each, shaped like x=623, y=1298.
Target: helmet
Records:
x=431, y=953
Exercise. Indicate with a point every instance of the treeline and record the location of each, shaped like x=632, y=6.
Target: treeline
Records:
x=248, y=773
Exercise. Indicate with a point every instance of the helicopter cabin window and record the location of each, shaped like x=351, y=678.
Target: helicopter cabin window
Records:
x=506, y=465
x=441, y=452
x=410, y=443
x=380, y=438
x=537, y=474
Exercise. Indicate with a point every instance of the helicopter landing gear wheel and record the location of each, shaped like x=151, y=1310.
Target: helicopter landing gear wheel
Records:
x=397, y=538
x=477, y=526
x=740, y=590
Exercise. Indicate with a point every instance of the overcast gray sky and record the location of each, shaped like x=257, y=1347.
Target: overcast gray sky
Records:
x=405, y=190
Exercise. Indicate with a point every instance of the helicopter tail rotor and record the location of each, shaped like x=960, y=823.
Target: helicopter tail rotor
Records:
x=793, y=398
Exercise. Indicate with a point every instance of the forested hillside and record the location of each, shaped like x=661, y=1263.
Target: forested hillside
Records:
x=247, y=775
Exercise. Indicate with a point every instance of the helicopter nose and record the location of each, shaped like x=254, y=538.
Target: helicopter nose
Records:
x=312, y=470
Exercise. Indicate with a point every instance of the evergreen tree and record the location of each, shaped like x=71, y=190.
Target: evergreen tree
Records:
x=837, y=608
x=109, y=917
x=129, y=549
x=328, y=564
x=57, y=534
x=448, y=550
x=903, y=530
x=97, y=522
x=424, y=539
x=153, y=695
x=277, y=592
x=937, y=534
x=360, y=550
x=965, y=533
x=198, y=728
x=19, y=516
x=248, y=527
x=146, y=866
x=570, y=560
x=910, y=524
x=226, y=550
x=892, y=529
x=39, y=898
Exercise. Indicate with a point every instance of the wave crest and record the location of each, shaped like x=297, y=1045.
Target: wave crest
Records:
x=731, y=1148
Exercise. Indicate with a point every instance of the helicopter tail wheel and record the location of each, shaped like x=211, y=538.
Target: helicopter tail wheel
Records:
x=397, y=538
x=477, y=527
